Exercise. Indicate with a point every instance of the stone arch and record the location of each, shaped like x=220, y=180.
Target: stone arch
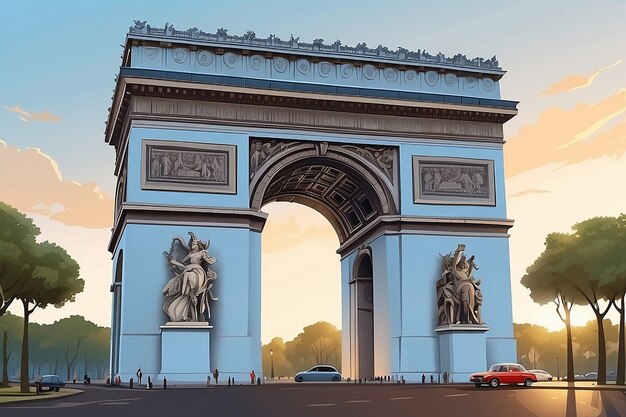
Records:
x=363, y=267
x=362, y=315
x=344, y=186
x=120, y=194
x=116, y=288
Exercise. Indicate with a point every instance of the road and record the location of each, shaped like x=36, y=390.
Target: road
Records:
x=302, y=400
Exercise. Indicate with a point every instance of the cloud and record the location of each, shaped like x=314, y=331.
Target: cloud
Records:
x=527, y=192
x=576, y=82
x=29, y=116
x=32, y=182
x=588, y=131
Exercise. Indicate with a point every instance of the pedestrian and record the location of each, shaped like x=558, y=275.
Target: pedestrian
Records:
x=139, y=375
x=432, y=381
x=445, y=377
x=216, y=375
x=423, y=378
x=252, y=377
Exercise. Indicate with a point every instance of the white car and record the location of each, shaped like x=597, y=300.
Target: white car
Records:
x=541, y=375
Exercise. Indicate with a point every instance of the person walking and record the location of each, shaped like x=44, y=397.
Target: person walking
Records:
x=216, y=375
x=252, y=377
x=423, y=378
x=139, y=375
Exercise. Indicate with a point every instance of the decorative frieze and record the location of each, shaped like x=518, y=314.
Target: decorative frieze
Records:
x=317, y=47
x=453, y=181
x=319, y=119
x=184, y=166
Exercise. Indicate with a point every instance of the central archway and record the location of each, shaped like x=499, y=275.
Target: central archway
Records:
x=351, y=187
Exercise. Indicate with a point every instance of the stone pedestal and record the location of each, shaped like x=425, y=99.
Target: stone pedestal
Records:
x=185, y=352
x=462, y=350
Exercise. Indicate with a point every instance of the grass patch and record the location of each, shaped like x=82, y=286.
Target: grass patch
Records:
x=14, y=391
x=12, y=394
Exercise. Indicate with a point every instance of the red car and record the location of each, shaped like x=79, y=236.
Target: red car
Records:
x=504, y=373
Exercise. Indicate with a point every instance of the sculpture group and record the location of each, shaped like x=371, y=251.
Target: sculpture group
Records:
x=188, y=292
x=459, y=298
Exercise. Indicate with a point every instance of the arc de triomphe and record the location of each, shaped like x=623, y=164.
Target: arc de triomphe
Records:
x=401, y=151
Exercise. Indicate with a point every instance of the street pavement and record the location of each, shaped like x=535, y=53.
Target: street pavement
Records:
x=339, y=399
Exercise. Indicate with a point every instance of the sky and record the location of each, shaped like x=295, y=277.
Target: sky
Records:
x=563, y=157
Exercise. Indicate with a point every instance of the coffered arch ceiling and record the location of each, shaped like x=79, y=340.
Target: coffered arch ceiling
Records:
x=349, y=186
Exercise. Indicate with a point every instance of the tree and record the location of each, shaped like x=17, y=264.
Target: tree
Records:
x=78, y=339
x=547, y=280
x=282, y=366
x=17, y=238
x=9, y=328
x=595, y=240
x=585, y=267
x=319, y=342
x=52, y=279
x=603, y=244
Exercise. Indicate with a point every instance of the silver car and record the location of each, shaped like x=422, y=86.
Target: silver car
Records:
x=319, y=373
x=541, y=375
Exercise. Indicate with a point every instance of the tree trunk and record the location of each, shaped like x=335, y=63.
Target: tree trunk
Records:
x=5, y=358
x=570, y=350
x=24, y=386
x=601, y=350
x=621, y=351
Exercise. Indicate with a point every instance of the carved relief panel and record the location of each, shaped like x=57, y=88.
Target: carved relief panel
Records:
x=453, y=181
x=185, y=166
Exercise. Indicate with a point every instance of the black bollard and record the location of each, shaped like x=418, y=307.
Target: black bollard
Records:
x=130, y=383
x=164, y=383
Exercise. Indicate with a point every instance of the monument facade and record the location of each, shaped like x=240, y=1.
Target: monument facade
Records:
x=400, y=150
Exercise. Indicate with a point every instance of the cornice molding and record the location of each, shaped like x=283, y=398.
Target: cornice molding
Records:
x=398, y=224
x=166, y=215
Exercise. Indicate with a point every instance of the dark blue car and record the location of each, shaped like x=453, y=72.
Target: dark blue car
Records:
x=52, y=382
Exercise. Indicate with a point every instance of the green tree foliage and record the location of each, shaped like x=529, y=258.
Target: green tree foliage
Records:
x=604, y=244
x=53, y=280
x=48, y=343
x=586, y=267
x=547, y=280
x=319, y=343
x=17, y=239
x=37, y=274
